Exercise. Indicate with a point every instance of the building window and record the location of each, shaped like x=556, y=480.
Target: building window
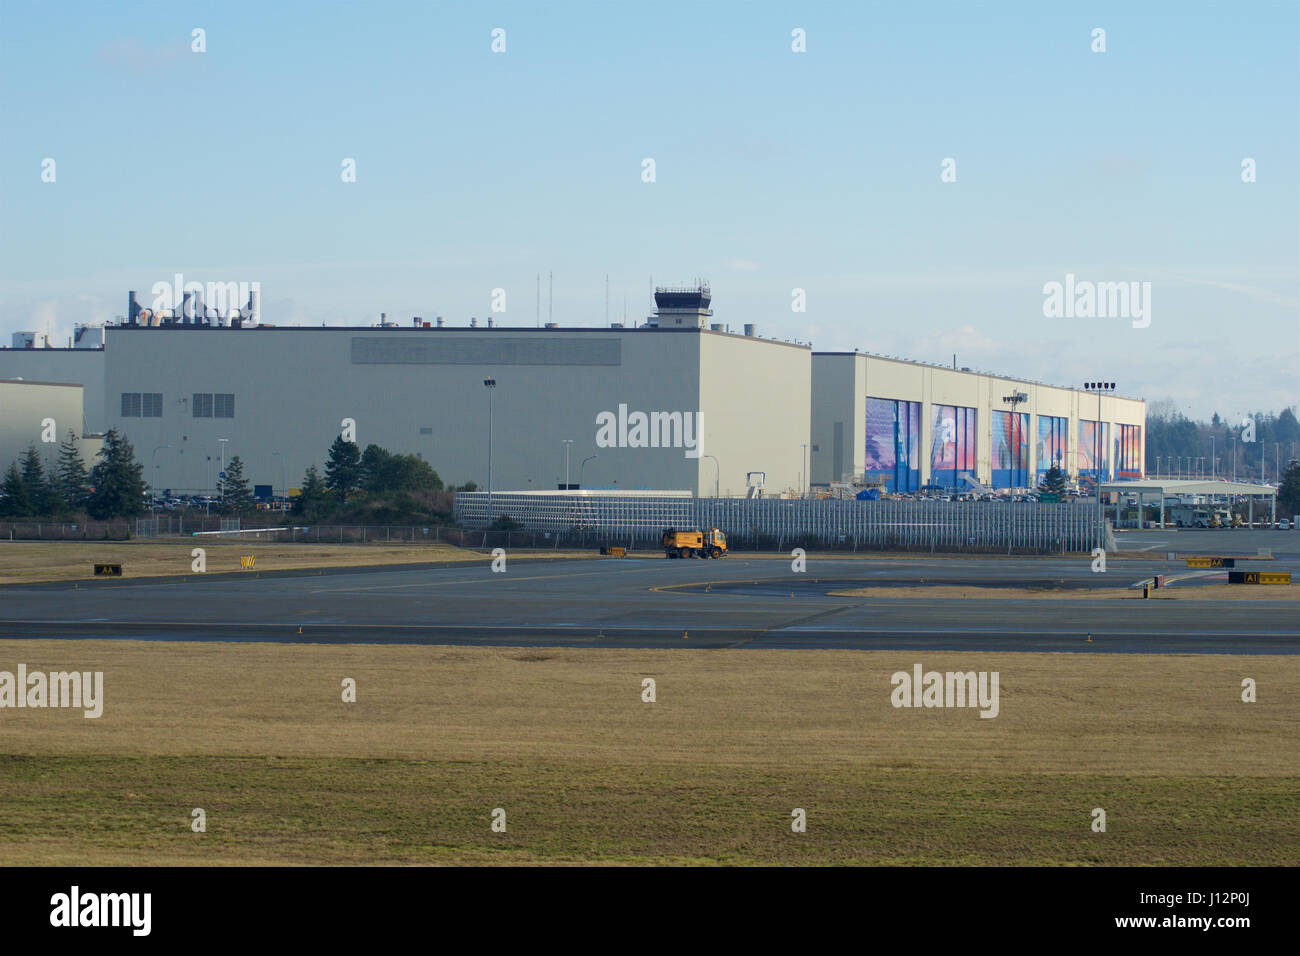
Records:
x=151, y=404
x=202, y=405
x=130, y=404
x=424, y=430
x=223, y=405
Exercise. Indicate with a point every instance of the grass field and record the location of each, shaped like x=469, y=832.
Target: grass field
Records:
x=27, y=562
x=258, y=736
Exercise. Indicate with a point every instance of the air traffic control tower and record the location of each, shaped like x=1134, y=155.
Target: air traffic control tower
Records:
x=683, y=307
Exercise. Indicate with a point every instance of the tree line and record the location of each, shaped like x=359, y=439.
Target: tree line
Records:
x=375, y=483
x=113, y=488
x=1170, y=435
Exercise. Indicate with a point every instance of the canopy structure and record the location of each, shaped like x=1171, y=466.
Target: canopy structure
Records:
x=1160, y=488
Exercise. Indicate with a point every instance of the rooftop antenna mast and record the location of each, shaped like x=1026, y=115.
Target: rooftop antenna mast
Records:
x=550, y=297
x=539, y=300
x=607, y=298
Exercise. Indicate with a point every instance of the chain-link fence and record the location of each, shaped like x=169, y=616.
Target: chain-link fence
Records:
x=65, y=531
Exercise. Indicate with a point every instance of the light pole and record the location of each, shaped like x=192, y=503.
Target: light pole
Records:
x=717, y=474
x=1099, y=388
x=806, y=478
x=153, y=477
x=567, y=443
x=490, y=384
x=583, y=467
x=284, y=481
x=221, y=476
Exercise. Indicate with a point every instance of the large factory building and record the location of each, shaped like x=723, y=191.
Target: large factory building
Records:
x=904, y=425
x=678, y=402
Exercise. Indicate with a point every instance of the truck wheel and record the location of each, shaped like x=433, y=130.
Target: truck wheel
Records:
x=684, y=553
x=715, y=553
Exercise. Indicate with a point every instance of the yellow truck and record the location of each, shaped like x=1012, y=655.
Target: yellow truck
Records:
x=694, y=544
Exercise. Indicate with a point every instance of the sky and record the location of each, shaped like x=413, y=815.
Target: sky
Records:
x=774, y=171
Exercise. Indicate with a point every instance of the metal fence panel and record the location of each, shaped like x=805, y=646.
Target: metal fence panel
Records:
x=776, y=523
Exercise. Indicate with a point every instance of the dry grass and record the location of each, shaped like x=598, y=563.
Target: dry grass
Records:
x=27, y=562
x=258, y=736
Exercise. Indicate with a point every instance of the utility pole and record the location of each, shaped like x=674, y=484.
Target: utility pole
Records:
x=567, y=443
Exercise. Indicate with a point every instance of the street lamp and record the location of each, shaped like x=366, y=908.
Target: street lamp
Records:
x=153, y=477
x=582, y=468
x=717, y=474
x=806, y=478
x=221, y=476
x=490, y=384
x=567, y=443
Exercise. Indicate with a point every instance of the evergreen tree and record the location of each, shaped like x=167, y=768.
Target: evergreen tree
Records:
x=74, y=479
x=1053, y=481
x=52, y=495
x=236, y=496
x=343, y=471
x=383, y=472
x=1288, y=493
x=377, y=469
x=118, y=479
x=44, y=500
x=33, y=471
x=313, y=499
x=17, y=503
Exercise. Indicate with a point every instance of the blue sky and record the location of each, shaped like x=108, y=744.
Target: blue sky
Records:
x=774, y=171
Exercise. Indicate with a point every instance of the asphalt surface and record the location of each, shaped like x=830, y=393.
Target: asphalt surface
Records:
x=1215, y=541
x=654, y=602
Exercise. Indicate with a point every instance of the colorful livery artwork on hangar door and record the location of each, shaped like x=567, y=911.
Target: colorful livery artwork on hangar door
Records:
x=1010, y=450
x=893, y=445
x=1053, y=438
x=952, y=445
